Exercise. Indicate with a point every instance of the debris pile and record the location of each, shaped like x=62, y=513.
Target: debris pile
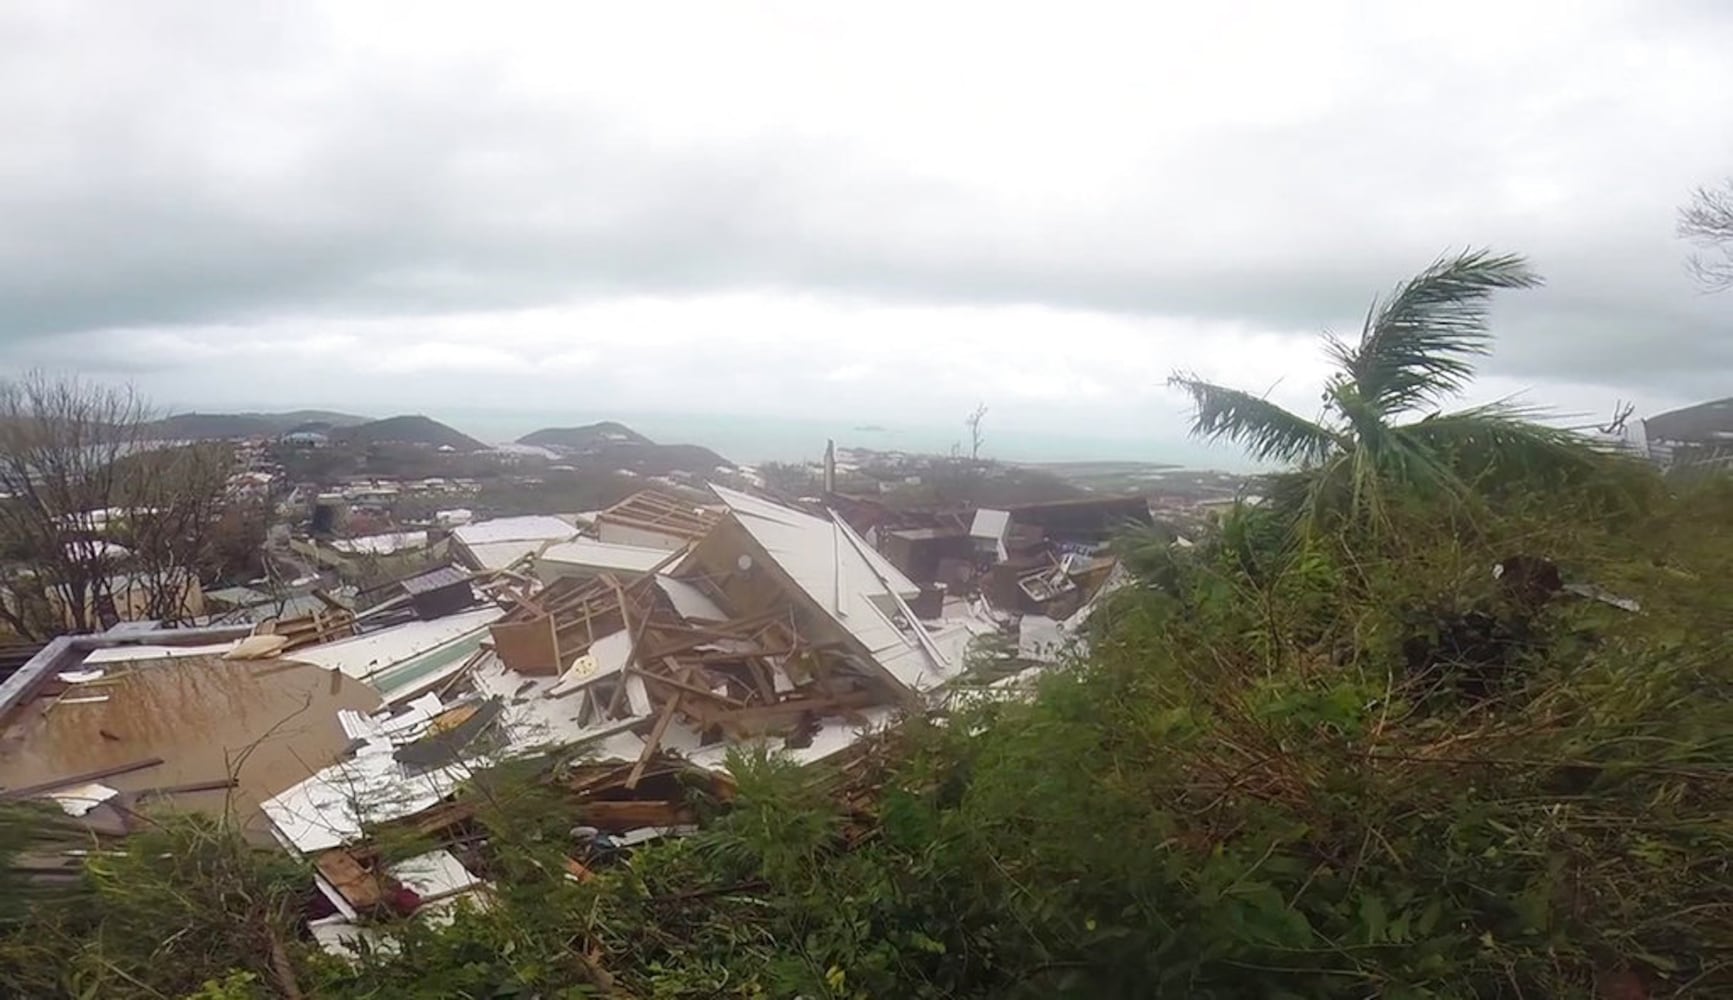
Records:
x=621, y=663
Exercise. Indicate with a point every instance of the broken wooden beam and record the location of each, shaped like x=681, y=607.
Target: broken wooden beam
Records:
x=10, y=794
x=683, y=687
x=756, y=718
x=613, y=816
x=654, y=740
x=357, y=885
x=215, y=785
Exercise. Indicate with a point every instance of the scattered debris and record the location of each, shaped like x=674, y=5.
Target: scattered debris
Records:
x=81, y=799
x=1595, y=593
x=647, y=647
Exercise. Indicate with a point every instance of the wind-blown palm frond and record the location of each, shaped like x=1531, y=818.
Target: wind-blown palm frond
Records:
x=1501, y=443
x=1264, y=429
x=1419, y=344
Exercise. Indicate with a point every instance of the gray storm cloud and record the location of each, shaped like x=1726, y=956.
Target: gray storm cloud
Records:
x=191, y=166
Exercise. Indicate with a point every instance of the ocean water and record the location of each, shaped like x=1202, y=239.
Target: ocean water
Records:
x=754, y=440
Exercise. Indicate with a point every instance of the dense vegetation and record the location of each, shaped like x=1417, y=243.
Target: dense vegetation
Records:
x=1475, y=741
x=1291, y=767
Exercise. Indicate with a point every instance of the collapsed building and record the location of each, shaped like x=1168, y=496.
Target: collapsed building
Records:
x=625, y=660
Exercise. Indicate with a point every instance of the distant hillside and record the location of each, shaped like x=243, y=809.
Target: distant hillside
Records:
x=408, y=429
x=590, y=437
x=613, y=445
x=217, y=426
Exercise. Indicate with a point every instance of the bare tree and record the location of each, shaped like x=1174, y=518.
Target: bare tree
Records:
x=1708, y=222
x=1621, y=413
x=178, y=500
x=976, y=436
x=93, y=506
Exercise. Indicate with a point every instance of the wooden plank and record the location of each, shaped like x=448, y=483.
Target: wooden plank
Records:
x=217, y=785
x=27, y=791
x=632, y=656
x=576, y=869
x=530, y=647
x=358, y=885
x=654, y=740
x=630, y=814
x=761, y=674
x=684, y=688
x=329, y=601
x=620, y=596
x=428, y=821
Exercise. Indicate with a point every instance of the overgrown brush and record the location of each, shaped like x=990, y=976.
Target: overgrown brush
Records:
x=1292, y=766
x=1253, y=789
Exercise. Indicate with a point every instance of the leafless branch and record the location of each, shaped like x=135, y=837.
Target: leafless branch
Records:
x=1707, y=221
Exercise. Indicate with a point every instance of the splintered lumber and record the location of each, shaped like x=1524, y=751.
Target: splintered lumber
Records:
x=330, y=602
x=630, y=814
x=216, y=785
x=650, y=510
x=435, y=818
x=9, y=794
x=359, y=886
x=315, y=627
x=531, y=647
x=761, y=676
x=757, y=718
x=576, y=870
x=618, y=702
x=686, y=688
x=654, y=740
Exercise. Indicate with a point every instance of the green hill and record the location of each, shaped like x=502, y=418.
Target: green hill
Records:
x=589, y=437
x=408, y=429
x=230, y=426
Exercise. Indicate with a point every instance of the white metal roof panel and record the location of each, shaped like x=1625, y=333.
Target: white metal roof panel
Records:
x=538, y=527
x=499, y=555
x=380, y=545
x=845, y=577
x=365, y=655
x=590, y=553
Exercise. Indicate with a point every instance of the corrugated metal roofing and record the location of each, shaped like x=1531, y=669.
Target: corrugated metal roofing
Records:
x=435, y=579
x=367, y=655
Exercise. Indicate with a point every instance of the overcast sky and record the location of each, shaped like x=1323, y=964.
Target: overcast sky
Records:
x=872, y=213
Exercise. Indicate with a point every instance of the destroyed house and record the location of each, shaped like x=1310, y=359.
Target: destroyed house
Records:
x=653, y=519
x=1695, y=435
x=1090, y=520
x=1049, y=559
x=930, y=555
x=775, y=628
x=842, y=589
x=502, y=541
x=439, y=592
x=585, y=557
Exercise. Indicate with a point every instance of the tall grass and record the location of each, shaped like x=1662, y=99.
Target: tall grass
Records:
x=1292, y=766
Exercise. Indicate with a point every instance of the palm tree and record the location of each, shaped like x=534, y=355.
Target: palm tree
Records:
x=1417, y=348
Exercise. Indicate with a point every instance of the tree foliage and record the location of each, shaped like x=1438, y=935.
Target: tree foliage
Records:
x=1416, y=350
x=1293, y=765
